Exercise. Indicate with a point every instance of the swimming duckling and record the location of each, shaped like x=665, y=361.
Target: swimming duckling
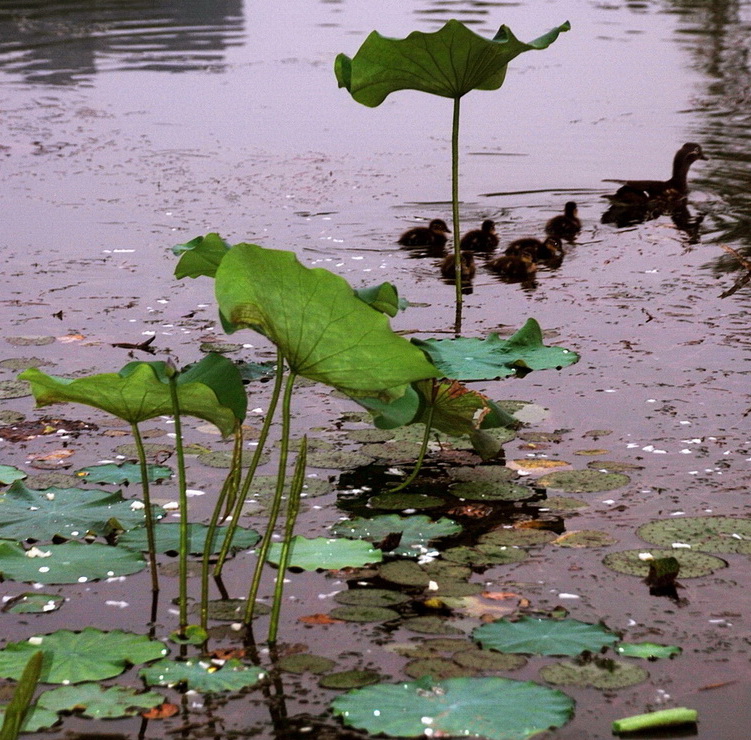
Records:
x=432, y=235
x=565, y=226
x=538, y=250
x=483, y=239
x=519, y=266
x=467, y=265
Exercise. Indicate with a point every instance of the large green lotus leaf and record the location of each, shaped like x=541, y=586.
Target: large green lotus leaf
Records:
x=701, y=533
x=396, y=413
x=8, y=474
x=71, y=562
x=326, y=553
x=99, y=702
x=543, y=636
x=449, y=62
x=494, y=708
x=324, y=330
x=168, y=538
x=128, y=472
x=200, y=256
x=469, y=358
x=65, y=512
x=211, y=389
x=75, y=657
x=416, y=530
x=203, y=676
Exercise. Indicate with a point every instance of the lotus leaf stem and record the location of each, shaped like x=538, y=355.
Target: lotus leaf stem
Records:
x=421, y=456
x=455, y=214
x=151, y=540
x=652, y=720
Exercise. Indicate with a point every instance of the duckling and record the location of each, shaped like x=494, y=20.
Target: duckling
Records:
x=483, y=239
x=467, y=265
x=432, y=235
x=566, y=225
x=519, y=266
x=549, y=249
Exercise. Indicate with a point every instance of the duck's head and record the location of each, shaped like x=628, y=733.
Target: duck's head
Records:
x=439, y=225
x=488, y=226
x=570, y=209
x=689, y=153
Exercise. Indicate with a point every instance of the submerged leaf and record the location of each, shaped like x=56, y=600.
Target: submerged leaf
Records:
x=603, y=675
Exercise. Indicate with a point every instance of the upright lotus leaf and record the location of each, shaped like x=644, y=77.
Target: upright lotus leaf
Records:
x=200, y=256
x=469, y=358
x=456, y=410
x=449, y=62
x=383, y=298
x=325, y=332
x=210, y=390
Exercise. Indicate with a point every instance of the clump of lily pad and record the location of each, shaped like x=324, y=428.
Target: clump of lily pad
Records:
x=583, y=481
x=703, y=533
x=637, y=562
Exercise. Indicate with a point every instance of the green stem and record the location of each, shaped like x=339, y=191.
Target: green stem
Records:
x=455, y=213
x=652, y=720
x=147, y=503
x=263, y=548
x=234, y=521
x=293, y=508
x=183, y=502
x=421, y=456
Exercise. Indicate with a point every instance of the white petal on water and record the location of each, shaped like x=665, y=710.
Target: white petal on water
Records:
x=646, y=556
x=680, y=546
x=119, y=604
x=35, y=552
x=569, y=596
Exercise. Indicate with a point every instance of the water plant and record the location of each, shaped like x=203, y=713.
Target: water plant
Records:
x=450, y=63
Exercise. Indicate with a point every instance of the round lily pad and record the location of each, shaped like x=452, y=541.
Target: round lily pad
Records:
x=30, y=341
x=9, y=417
x=560, y=503
x=452, y=588
x=231, y=610
x=405, y=573
x=606, y=674
x=484, y=491
x=305, y=663
x=363, y=613
x=167, y=536
x=99, y=702
x=349, y=679
x=128, y=472
x=14, y=389
x=703, y=533
x=370, y=597
x=583, y=481
x=443, y=569
x=538, y=465
x=370, y=436
x=402, y=501
x=636, y=562
x=21, y=363
x=431, y=626
x=485, y=555
x=489, y=660
x=204, y=676
x=326, y=553
x=613, y=466
x=37, y=719
x=150, y=449
x=338, y=459
x=33, y=603
x=394, y=451
x=482, y=473
x=518, y=537
x=585, y=538
x=437, y=668
x=224, y=458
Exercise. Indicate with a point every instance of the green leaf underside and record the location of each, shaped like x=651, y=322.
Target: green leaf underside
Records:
x=100, y=702
x=202, y=676
x=75, y=657
x=543, y=636
x=65, y=512
x=494, y=708
x=211, y=390
x=648, y=650
x=449, y=62
x=324, y=330
x=326, y=553
x=168, y=538
x=70, y=562
x=200, y=256
x=470, y=358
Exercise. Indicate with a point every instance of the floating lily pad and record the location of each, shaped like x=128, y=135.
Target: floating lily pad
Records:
x=437, y=668
x=14, y=389
x=485, y=555
x=401, y=501
x=543, y=636
x=492, y=707
x=306, y=663
x=431, y=626
x=538, y=465
x=450, y=588
x=9, y=417
x=41, y=481
x=543, y=437
x=363, y=613
x=583, y=481
x=65, y=512
x=223, y=348
x=560, y=503
x=204, y=676
x=75, y=657
x=231, y=610
x=489, y=660
x=129, y=449
x=71, y=562
x=636, y=562
x=224, y=458
x=703, y=533
x=443, y=569
x=370, y=597
x=99, y=702
x=338, y=459
x=21, y=363
x=37, y=719
x=416, y=531
x=349, y=679
x=647, y=650
x=517, y=537
x=482, y=473
x=370, y=436
x=405, y=573
x=326, y=553
x=167, y=536
x=598, y=674
x=394, y=451
x=484, y=491
x=128, y=472
x=612, y=466
x=30, y=341
x=585, y=538
x=8, y=474
x=33, y=603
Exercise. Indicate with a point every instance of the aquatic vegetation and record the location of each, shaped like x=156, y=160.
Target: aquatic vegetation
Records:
x=16, y=712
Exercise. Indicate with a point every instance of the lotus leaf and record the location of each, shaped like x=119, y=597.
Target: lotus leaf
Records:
x=75, y=657
x=648, y=650
x=363, y=613
x=482, y=555
x=327, y=553
x=543, y=636
x=37, y=719
x=495, y=708
x=71, y=562
x=437, y=668
x=100, y=702
x=583, y=481
x=349, y=679
x=405, y=573
x=485, y=491
x=482, y=473
x=636, y=562
x=203, y=676
x=34, y=603
x=517, y=537
x=128, y=472
x=489, y=660
x=701, y=533
x=383, y=298
x=8, y=474
x=605, y=675
x=200, y=256
x=585, y=538
x=168, y=538
x=430, y=625
x=65, y=512
x=449, y=62
x=401, y=501
x=370, y=597
x=325, y=332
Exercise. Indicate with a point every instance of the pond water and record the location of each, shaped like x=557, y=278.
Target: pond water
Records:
x=128, y=127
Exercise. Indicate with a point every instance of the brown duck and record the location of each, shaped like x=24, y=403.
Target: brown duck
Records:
x=538, y=250
x=519, y=266
x=432, y=235
x=466, y=264
x=483, y=239
x=565, y=226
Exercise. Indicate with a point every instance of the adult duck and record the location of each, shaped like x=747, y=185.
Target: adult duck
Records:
x=466, y=265
x=538, y=250
x=566, y=225
x=432, y=235
x=516, y=267
x=483, y=239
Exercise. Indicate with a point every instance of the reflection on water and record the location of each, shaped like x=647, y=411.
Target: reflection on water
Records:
x=67, y=43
